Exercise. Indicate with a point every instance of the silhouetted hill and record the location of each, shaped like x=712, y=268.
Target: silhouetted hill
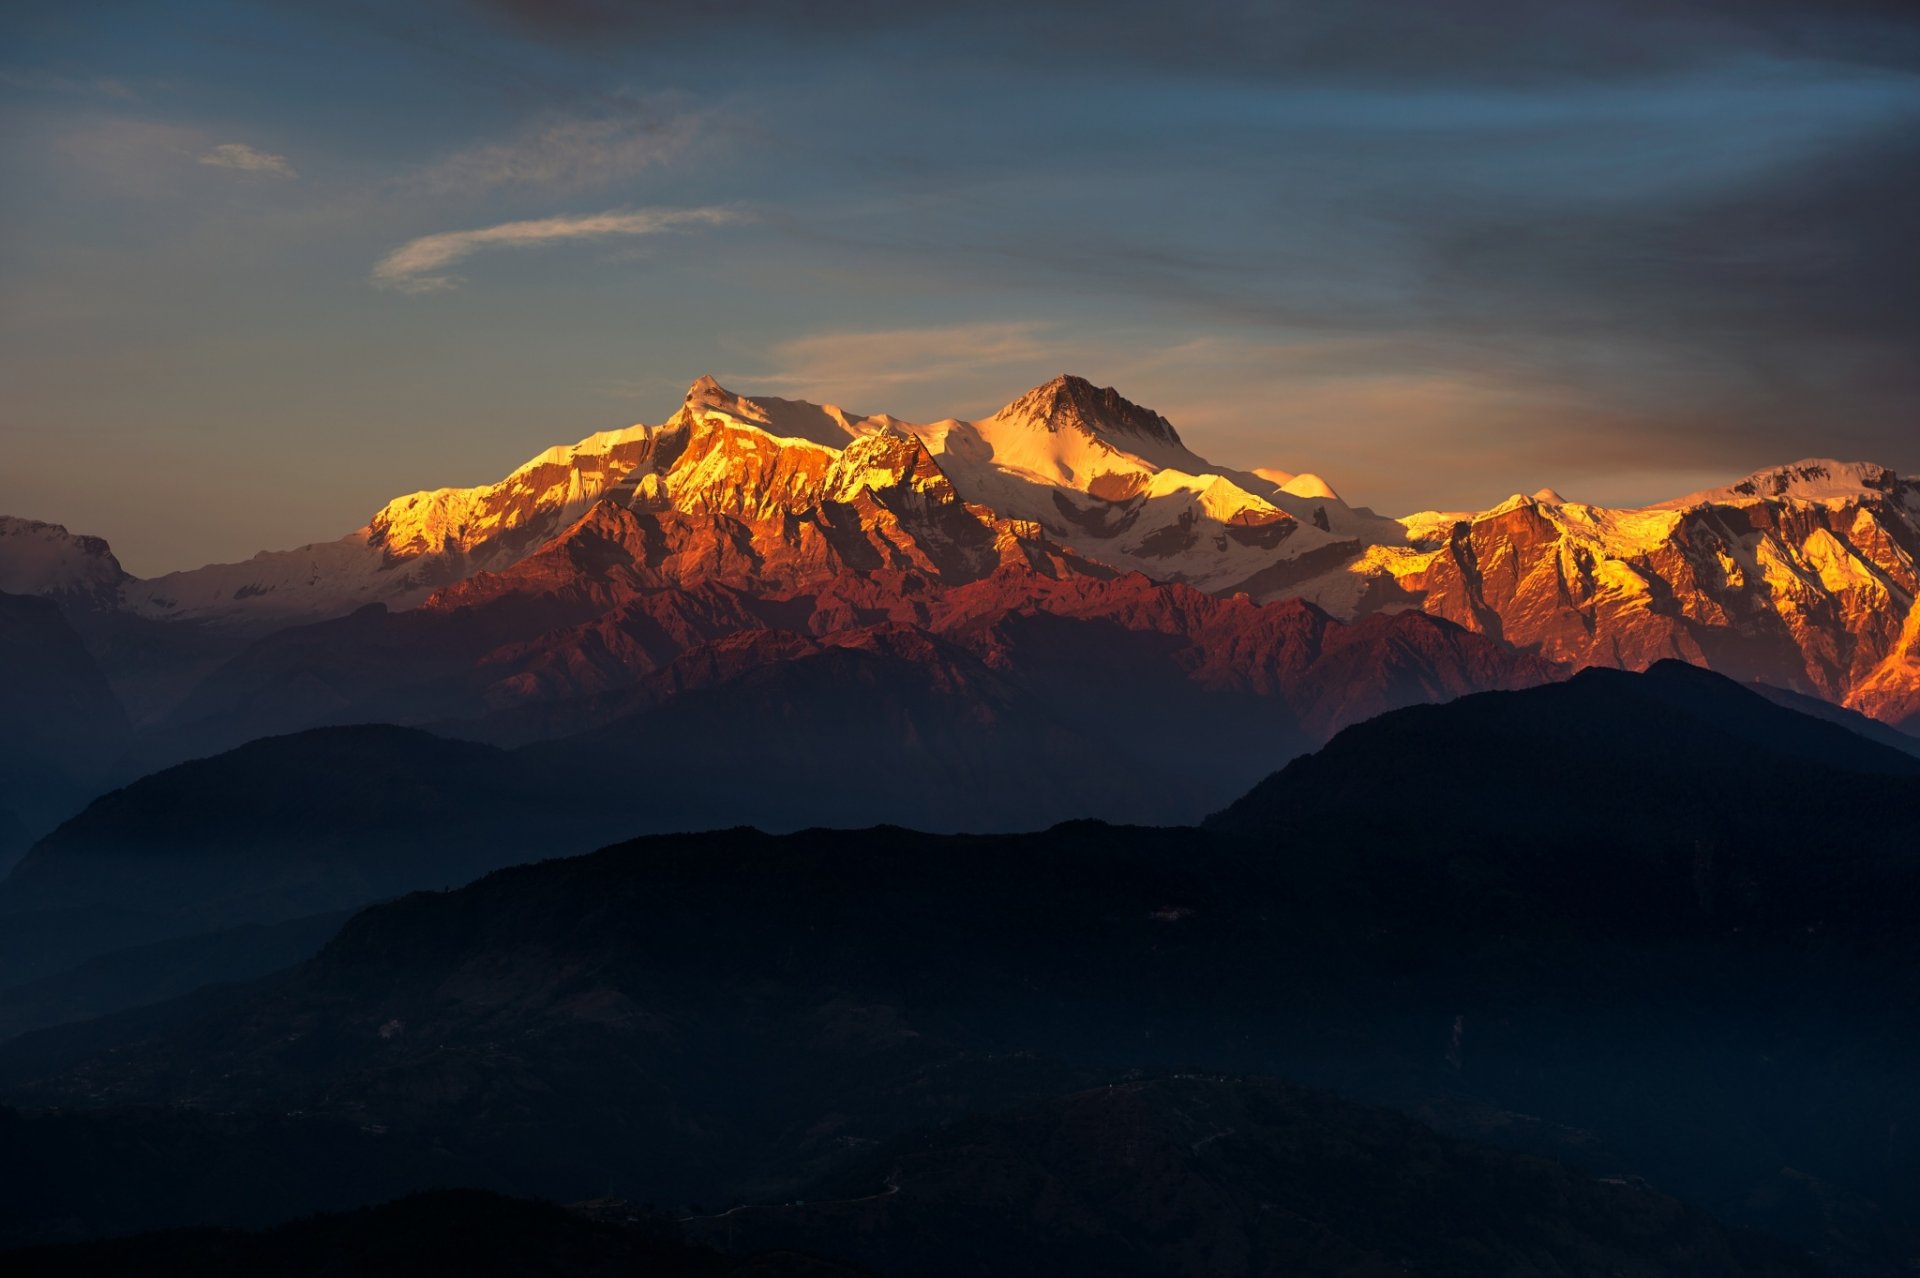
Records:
x=1673, y=799
x=281, y=828
x=1886, y=734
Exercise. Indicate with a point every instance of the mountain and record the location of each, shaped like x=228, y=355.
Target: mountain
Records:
x=1426, y=913
x=279, y=829
x=1065, y=455
x=715, y=463
x=1114, y=482
x=45, y=559
x=148, y=663
x=1711, y=778
x=1891, y=690
x=1804, y=577
x=720, y=532
x=1852, y=720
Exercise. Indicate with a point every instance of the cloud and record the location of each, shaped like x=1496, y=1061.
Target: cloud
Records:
x=1746, y=320
x=238, y=155
x=567, y=154
x=415, y=266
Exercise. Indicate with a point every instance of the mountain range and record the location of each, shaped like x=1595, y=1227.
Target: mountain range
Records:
x=996, y=562
x=1803, y=574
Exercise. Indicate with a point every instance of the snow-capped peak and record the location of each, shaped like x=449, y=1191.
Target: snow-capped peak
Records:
x=1815, y=479
x=823, y=424
x=707, y=395
x=1068, y=431
x=1074, y=403
x=45, y=559
x=1309, y=485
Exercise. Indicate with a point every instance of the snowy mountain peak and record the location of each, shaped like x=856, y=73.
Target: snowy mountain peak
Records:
x=1815, y=479
x=45, y=559
x=706, y=395
x=821, y=424
x=1074, y=403
x=1310, y=486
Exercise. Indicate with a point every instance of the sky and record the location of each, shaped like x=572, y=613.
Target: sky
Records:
x=265, y=266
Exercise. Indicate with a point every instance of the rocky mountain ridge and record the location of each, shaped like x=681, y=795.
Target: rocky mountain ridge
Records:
x=1802, y=576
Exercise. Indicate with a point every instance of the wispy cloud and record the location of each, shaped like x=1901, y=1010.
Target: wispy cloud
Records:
x=142, y=158
x=416, y=266
x=238, y=155
x=568, y=154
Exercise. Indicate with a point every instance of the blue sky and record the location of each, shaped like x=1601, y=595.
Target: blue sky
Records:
x=264, y=266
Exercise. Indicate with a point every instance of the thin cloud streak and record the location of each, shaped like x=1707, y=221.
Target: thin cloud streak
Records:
x=238, y=155
x=415, y=266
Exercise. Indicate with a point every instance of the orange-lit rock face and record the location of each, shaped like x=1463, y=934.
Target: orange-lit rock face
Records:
x=725, y=502
x=720, y=492
x=529, y=501
x=1810, y=593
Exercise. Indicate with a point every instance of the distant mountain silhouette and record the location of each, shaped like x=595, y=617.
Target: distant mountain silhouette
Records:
x=1470, y=912
x=1670, y=799
x=278, y=829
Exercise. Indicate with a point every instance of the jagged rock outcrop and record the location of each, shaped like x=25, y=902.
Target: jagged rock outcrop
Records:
x=1804, y=577
x=45, y=559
